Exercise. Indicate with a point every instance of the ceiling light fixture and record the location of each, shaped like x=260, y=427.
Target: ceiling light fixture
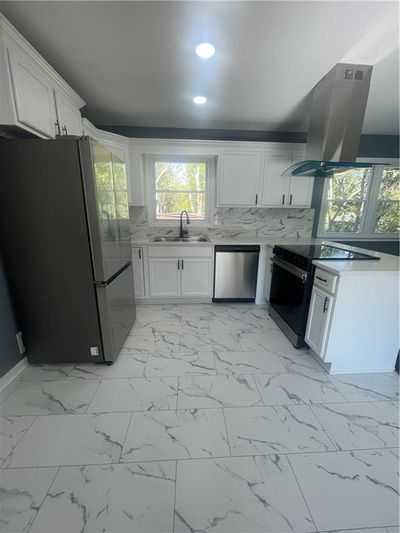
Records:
x=199, y=100
x=205, y=50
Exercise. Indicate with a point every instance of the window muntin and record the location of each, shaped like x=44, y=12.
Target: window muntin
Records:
x=346, y=199
x=361, y=202
x=176, y=184
x=387, y=214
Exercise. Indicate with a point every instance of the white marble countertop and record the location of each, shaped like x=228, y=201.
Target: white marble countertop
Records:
x=262, y=241
x=385, y=263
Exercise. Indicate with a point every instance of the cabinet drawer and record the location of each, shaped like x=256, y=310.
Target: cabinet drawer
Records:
x=325, y=280
x=181, y=251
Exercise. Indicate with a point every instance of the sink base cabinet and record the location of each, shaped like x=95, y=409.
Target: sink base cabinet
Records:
x=356, y=330
x=196, y=277
x=179, y=272
x=164, y=277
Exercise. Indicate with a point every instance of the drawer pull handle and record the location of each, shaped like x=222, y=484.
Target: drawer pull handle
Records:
x=326, y=304
x=321, y=279
x=283, y=199
x=178, y=264
x=140, y=253
x=182, y=265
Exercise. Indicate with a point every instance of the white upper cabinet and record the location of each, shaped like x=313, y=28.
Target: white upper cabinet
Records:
x=275, y=188
x=300, y=188
x=32, y=94
x=239, y=177
x=284, y=191
x=68, y=115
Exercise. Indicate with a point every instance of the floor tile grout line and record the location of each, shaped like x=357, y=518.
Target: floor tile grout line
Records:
x=301, y=492
x=19, y=440
x=227, y=433
x=45, y=496
x=327, y=433
x=94, y=413
x=126, y=435
x=176, y=482
x=205, y=458
x=92, y=398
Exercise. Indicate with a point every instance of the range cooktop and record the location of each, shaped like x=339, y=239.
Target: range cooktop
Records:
x=324, y=251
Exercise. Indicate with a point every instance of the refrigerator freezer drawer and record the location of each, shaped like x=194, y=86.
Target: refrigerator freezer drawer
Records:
x=117, y=311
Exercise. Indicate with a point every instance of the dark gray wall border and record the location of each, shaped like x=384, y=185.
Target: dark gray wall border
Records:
x=370, y=145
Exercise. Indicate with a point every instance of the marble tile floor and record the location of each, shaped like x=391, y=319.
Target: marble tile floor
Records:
x=209, y=421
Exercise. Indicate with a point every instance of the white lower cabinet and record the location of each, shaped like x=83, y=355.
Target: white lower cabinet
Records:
x=138, y=272
x=353, y=317
x=268, y=273
x=196, y=277
x=180, y=271
x=164, y=277
x=318, y=321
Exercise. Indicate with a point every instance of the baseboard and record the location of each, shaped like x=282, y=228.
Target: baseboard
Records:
x=13, y=373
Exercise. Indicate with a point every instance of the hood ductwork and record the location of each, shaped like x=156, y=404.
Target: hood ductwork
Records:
x=337, y=116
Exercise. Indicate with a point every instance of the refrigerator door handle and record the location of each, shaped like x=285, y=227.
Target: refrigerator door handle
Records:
x=113, y=277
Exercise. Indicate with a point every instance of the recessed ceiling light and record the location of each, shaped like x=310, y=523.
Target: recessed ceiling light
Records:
x=205, y=50
x=199, y=100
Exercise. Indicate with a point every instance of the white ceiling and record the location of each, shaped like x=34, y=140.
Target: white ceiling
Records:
x=134, y=62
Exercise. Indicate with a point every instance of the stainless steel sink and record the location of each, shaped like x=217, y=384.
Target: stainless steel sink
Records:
x=193, y=238
x=165, y=239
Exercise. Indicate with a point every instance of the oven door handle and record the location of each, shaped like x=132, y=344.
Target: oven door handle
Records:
x=298, y=272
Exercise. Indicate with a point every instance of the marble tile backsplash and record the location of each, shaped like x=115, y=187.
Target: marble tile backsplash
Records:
x=236, y=222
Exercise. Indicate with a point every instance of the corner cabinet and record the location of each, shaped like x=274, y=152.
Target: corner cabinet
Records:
x=182, y=271
x=33, y=96
x=239, y=177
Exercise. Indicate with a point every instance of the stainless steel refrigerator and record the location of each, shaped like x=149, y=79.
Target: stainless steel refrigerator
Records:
x=65, y=239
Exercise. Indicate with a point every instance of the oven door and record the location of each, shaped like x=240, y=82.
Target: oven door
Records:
x=290, y=295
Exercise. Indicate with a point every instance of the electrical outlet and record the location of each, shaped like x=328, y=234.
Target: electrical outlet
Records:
x=94, y=351
x=20, y=342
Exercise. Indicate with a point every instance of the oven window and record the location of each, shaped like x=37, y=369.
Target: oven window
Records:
x=289, y=297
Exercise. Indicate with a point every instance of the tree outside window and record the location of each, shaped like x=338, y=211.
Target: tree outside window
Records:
x=362, y=201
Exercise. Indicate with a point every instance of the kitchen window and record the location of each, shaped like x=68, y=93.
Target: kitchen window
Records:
x=361, y=202
x=176, y=184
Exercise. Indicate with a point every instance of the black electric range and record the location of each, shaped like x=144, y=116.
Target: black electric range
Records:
x=292, y=281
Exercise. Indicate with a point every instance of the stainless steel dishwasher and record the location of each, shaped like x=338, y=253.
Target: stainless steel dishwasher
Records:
x=235, y=273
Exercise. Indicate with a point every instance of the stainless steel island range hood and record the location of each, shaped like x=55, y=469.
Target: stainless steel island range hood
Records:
x=337, y=116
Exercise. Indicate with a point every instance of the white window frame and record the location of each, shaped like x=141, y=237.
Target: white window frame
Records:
x=149, y=165
x=371, y=205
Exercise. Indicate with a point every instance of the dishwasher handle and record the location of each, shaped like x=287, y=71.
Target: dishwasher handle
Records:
x=237, y=248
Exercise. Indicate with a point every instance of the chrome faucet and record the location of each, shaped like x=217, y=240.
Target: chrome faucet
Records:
x=183, y=232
